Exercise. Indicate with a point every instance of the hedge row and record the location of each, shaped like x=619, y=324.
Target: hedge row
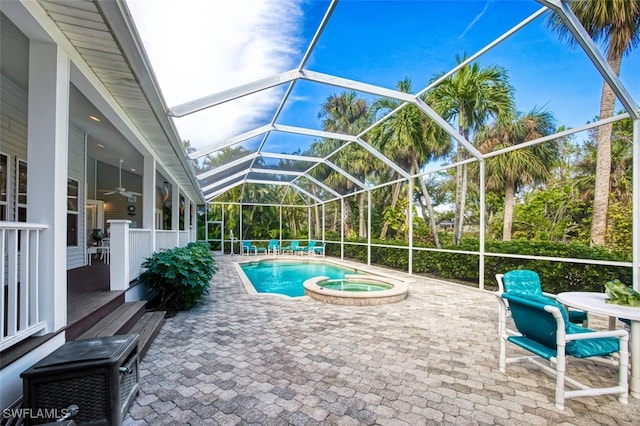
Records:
x=556, y=276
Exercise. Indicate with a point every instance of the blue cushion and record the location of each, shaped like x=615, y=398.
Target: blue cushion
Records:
x=539, y=349
x=522, y=281
x=532, y=320
x=577, y=317
x=539, y=329
x=591, y=347
x=527, y=283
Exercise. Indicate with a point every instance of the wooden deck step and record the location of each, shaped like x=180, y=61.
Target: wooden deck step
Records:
x=148, y=327
x=119, y=321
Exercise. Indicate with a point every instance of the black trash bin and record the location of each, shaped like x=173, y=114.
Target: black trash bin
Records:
x=98, y=375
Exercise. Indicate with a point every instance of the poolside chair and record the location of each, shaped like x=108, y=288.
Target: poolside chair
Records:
x=318, y=250
x=273, y=247
x=526, y=282
x=292, y=247
x=248, y=247
x=543, y=330
x=306, y=249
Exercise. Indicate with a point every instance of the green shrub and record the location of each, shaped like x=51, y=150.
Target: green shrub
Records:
x=181, y=275
x=556, y=277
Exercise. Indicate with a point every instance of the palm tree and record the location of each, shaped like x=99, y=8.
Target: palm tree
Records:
x=513, y=170
x=410, y=138
x=346, y=113
x=616, y=24
x=471, y=96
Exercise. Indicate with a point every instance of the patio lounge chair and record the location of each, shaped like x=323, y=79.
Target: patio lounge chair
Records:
x=543, y=330
x=306, y=249
x=292, y=247
x=318, y=249
x=526, y=282
x=248, y=247
x=273, y=247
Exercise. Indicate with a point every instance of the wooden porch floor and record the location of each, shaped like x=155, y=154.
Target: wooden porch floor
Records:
x=88, y=295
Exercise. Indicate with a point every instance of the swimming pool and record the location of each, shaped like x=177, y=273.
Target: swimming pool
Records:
x=287, y=276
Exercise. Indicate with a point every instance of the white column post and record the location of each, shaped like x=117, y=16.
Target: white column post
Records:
x=193, y=214
x=149, y=198
x=342, y=228
x=323, y=225
x=175, y=213
x=410, y=230
x=482, y=225
x=47, y=162
x=369, y=227
x=280, y=231
x=119, y=263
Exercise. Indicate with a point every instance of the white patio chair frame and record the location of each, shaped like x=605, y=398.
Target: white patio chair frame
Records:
x=557, y=366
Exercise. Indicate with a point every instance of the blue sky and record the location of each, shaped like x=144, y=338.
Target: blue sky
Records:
x=199, y=47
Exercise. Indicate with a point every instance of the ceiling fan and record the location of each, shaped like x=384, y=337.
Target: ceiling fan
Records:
x=119, y=189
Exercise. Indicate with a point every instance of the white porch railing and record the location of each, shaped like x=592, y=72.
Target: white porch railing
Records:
x=183, y=238
x=140, y=247
x=166, y=239
x=19, y=299
x=130, y=247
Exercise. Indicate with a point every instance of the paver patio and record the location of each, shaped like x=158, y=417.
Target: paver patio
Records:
x=270, y=360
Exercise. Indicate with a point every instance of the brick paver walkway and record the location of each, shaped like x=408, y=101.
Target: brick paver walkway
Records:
x=270, y=360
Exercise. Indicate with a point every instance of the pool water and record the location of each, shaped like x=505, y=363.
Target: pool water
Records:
x=286, y=277
x=344, y=285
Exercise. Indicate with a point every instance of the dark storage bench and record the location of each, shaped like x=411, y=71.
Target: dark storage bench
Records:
x=98, y=375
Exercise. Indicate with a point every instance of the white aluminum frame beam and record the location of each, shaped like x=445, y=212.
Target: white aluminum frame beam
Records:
x=312, y=132
x=345, y=174
x=444, y=124
x=380, y=156
x=322, y=185
x=231, y=141
x=593, y=52
x=358, y=86
x=225, y=180
x=227, y=166
x=292, y=157
x=233, y=93
x=276, y=172
x=222, y=191
x=307, y=193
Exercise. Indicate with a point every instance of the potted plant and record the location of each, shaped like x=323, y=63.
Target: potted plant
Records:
x=97, y=235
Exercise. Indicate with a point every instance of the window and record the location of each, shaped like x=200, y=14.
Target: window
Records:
x=72, y=212
x=21, y=178
x=4, y=186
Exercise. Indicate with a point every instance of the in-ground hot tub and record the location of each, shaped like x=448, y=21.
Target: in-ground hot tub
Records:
x=362, y=290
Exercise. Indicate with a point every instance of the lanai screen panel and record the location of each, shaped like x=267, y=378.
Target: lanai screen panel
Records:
x=390, y=66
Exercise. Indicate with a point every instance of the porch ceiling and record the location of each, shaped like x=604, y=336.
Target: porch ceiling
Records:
x=103, y=35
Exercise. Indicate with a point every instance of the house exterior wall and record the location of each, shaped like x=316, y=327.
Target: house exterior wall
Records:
x=13, y=130
x=76, y=255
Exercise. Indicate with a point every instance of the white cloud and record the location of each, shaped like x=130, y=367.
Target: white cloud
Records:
x=201, y=47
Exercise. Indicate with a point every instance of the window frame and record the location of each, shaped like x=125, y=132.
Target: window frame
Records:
x=4, y=204
x=18, y=205
x=75, y=241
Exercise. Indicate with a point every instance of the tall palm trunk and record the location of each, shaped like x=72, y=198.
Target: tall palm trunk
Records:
x=394, y=202
x=603, y=161
x=362, y=229
x=429, y=206
x=509, y=201
x=461, y=192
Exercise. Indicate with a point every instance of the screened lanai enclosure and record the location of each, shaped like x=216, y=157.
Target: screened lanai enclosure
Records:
x=511, y=147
